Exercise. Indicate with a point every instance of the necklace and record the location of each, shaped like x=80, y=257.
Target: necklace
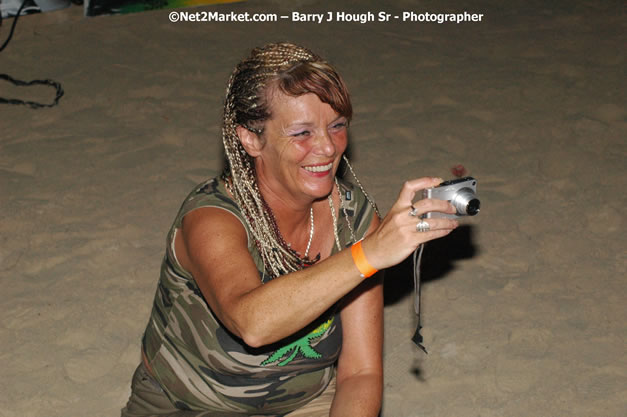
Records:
x=332, y=207
x=311, y=232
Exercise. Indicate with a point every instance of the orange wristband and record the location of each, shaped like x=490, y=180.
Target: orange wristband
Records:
x=359, y=257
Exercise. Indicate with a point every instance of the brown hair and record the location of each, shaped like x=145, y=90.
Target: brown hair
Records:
x=320, y=79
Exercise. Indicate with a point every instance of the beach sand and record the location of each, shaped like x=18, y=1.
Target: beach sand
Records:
x=524, y=307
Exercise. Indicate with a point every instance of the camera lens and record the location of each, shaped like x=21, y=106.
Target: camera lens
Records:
x=473, y=206
x=466, y=202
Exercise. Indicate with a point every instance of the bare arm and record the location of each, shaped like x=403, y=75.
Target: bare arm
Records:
x=213, y=248
x=360, y=368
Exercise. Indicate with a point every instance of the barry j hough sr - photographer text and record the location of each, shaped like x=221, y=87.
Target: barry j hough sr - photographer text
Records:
x=385, y=17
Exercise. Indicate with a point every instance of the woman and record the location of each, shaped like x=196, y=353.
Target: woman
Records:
x=264, y=305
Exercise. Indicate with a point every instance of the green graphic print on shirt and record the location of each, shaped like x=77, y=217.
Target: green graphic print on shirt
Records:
x=302, y=346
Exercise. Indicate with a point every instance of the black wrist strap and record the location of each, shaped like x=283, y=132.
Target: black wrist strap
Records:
x=417, y=339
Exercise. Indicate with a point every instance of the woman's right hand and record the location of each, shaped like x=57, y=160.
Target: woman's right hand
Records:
x=397, y=236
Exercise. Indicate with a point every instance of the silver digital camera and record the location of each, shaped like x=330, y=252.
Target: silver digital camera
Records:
x=460, y=193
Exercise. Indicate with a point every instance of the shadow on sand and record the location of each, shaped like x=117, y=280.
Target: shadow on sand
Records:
x=438, y=259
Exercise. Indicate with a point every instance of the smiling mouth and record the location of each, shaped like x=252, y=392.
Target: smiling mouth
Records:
x=319, y=168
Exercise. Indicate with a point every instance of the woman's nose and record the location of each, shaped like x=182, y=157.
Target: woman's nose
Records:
x=324, y=144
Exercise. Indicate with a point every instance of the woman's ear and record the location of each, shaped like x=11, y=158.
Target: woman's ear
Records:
x=250, y=141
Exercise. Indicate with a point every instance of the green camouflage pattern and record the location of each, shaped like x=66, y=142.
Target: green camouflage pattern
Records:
x=202, y=366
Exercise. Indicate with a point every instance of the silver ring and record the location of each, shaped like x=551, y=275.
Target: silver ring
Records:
x=422, y=226
x=413, y=212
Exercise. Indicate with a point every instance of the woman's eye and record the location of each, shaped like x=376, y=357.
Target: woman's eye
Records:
x=303, y=133
x=340, y=125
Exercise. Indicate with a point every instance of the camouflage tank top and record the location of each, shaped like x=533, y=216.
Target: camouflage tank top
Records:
x=202, y=366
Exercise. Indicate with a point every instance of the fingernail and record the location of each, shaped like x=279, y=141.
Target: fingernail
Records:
x=438, y=179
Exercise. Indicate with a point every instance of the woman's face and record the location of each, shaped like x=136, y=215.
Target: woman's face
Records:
x=301, y=148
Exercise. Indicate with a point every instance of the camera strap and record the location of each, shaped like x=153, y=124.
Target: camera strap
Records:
x=417, y=339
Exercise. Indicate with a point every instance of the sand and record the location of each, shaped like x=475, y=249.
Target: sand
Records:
x=524, y=308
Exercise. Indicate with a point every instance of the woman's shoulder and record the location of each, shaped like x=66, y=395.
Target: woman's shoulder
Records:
x=210, y=193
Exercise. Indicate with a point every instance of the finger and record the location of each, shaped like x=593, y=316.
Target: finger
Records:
x=439, y=224
x=408, y=192
x=428, y=205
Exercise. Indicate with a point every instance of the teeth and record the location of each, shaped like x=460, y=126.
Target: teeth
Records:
x=321, y=168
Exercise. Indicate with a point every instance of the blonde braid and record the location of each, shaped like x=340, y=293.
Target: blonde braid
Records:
x=245, y=106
